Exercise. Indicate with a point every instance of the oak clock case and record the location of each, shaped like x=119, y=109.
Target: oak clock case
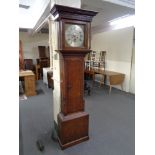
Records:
x=74, y=35
x=73, y=44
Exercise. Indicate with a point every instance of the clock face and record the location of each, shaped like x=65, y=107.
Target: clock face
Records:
x=74, y=35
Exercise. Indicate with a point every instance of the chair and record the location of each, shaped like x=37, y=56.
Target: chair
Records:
x=44, y=62
x=28, y=65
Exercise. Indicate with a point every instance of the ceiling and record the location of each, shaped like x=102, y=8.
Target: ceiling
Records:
x=33, y=12
x=107, y=11
x=28, y=17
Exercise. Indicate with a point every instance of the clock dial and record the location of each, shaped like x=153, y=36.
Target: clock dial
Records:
x=74, y=35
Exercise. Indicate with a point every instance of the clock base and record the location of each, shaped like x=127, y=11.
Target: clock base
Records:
x=64, y=146
x=72, y=129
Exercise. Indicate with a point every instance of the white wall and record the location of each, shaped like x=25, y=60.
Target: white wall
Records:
x=56, y=69
x=118, y=44
x=132, y=78
x=30, y=44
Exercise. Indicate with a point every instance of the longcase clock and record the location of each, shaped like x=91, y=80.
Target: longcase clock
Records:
x=73, y=43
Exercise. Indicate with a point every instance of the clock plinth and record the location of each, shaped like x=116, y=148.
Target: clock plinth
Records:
x=73, y=44
x=72, y=128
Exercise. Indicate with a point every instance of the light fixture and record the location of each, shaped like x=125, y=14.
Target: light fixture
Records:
x=122, y=22
x=24, y=6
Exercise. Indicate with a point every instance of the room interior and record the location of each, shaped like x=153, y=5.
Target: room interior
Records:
x=108, y=77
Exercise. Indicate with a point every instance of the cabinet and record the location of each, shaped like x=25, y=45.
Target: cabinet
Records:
x=29, y=82
x=95, y=60
x=42, y=51
x=50, y=80
x=44, y=60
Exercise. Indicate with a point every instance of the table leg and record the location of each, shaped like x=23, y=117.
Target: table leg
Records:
x=110, y=87
x=122, y=86
x=102, y=80
x=93, y=79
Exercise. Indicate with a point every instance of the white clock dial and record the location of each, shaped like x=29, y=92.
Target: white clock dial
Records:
x=74, y=35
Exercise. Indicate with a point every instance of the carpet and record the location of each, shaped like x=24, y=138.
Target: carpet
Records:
x=111, y=123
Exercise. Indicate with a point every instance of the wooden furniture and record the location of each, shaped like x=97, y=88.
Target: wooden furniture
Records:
x=28, y=64
x=29, y=82
x=89, y=74
x=97, y=66
x=44, y=60
x=42, y=63
x=42, y=51
x=102, y=59
x=21, y=60
x=50, y=80
x=74, y=44
x=114, y=78
x=37, y=71
x=95, y=60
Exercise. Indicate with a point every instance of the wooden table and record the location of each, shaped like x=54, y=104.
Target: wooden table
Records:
x=29, y=82
x=115, y=78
